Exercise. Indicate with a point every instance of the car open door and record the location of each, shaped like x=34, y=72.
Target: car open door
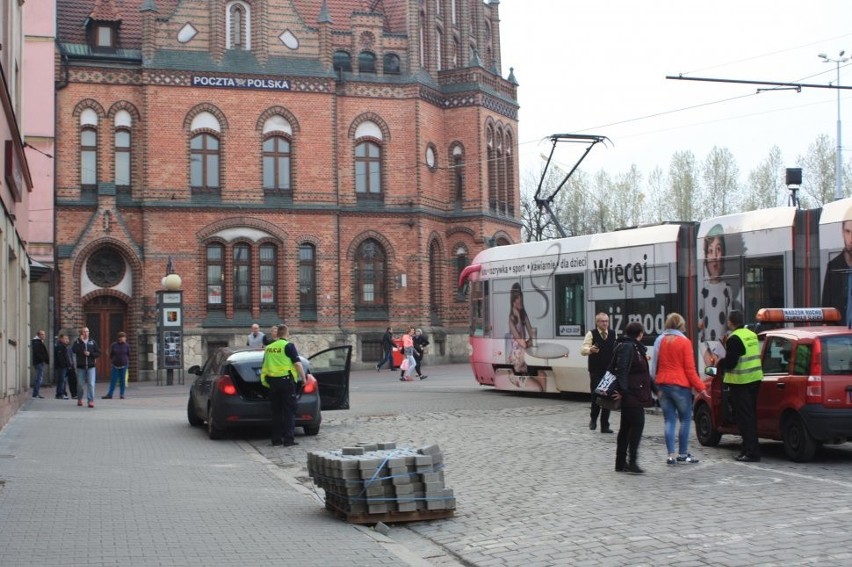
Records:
x=331, y=369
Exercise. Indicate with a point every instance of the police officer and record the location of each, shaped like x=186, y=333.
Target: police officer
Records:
x=280, y=372
x=743, y=374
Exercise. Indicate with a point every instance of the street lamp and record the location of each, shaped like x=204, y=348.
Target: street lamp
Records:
x=838, y=166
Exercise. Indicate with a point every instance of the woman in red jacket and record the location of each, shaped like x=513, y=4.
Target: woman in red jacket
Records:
x=676, y=376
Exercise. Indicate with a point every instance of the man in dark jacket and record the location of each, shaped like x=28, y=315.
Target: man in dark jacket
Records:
x=420, y=344
x=387, y=350
x=63, y=362
x=598, y=346
x=41, y=358
x=119, y=356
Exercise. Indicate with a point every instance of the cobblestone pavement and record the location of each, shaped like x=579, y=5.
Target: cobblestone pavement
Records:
x=130, y=483
x=536, y=487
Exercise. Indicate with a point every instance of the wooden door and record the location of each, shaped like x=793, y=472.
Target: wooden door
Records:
x=105, y=317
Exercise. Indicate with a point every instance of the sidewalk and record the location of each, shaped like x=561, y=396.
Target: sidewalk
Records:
x=130, y=483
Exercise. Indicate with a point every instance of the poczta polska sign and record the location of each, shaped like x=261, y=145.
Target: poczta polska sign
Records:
x=216, y=81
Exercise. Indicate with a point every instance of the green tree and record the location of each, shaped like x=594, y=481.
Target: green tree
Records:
x=683, y=186
x=719, y=194
x=818, y=173
x=765, y=188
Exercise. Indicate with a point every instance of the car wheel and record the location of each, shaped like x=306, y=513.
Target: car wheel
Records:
x=191, y=416
x=798, y=443
x=312, y=430
x=213, y=432
x=704, y=430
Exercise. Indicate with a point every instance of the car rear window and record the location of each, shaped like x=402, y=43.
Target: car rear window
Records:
x=248, y=371
x=837, y=354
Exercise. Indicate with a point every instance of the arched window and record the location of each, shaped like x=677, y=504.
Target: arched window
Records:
x=500, y=166
x=342, y=61
x=204, y=162
x=461, y=262
x=454, y=56
x=492, y=169
x=391, y=64
x=439, y=53
x=238, y=26
x=510, y=174
x=368, y=169
x=215, y=276
x=454, y=12
x=370, y=281
x=422, y=39
x=242, y=276
x=366, y=62
x=268, y=255
x=122, y=158
x=88, y=157
x=276, y=163
x=307, y=282
x=435, y=281
x=458, y=176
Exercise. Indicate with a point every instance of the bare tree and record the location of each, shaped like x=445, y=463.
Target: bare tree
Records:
x=657, y=207
x=683, y=185
x=765, y=189
x=536, y=224
x=720, y=192
x=818, y=173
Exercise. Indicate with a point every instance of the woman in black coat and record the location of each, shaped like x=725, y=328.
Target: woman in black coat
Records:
x=635, y=386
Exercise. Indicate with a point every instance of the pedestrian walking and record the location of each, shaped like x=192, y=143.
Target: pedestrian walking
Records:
x=387, y=350
x=409, y=365
x=420, y=344
x=119, y=356
x=743, y=374
x=281, y=372
x=598, y=346
x=86, y=351
x=255, y=338
x=41, y=358
x=674, y=373
x=63, y=362
x=635, y=386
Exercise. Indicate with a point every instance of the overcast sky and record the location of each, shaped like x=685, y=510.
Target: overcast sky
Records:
x=600, y=67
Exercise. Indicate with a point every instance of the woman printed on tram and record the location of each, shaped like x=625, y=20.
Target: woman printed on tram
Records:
x=520, y=329
x=716, y=295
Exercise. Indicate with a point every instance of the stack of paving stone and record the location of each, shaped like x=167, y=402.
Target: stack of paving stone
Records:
x=375, y=482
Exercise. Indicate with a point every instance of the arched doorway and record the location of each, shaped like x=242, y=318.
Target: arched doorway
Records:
x=105, y=317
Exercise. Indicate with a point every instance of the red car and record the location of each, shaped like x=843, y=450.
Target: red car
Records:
x=805, y=398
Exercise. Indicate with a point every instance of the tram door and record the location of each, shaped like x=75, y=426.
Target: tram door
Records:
x=105, y=317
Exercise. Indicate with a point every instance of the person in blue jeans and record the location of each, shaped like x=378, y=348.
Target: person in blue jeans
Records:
x=387, y=350
x=673, y=369
x=86, y=351
x=119, y=356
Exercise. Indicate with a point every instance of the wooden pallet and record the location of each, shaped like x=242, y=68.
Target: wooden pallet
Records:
x=391, y=517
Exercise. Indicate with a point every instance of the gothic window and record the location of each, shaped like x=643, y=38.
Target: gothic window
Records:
x=492, y=169
x=204, y=162
x=391, y=64
x=510, y=175
x=88, y=157
x=122, y=158
x=106, y=268
x=368, y=169
x=366, y=62
x=276, y=163
x=238, y=26
x=215, y=275
x=342, y=61
x=439, y=42
x=268, y=265
x=370, y=281
x=242, y=276
x=457, y=157
x=435, y=287
x=307, y=282
x=461, y=262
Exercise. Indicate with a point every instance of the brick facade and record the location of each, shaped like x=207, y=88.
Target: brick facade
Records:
x=416, y=219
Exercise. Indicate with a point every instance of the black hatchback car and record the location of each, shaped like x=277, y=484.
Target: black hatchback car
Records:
x=227, y=393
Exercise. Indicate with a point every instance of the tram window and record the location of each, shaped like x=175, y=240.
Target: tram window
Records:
x=570, y=305
x=479, y=319
x=762, y=278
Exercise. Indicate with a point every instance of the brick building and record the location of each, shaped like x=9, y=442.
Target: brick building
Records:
x=327, y=163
